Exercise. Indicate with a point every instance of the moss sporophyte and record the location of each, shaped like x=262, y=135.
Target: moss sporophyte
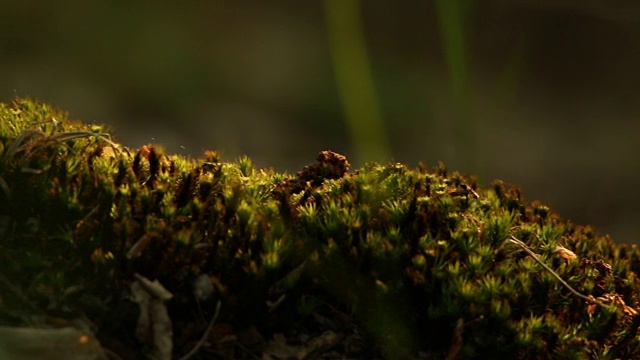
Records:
x=382, y=261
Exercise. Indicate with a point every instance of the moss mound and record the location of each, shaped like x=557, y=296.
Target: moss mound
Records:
x=382, y=262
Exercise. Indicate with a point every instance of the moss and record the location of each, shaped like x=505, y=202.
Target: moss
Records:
x=406, y=259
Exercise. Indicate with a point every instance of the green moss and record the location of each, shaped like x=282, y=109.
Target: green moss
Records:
x=413, y=260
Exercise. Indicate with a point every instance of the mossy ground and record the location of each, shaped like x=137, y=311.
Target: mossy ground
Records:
x=395, y=262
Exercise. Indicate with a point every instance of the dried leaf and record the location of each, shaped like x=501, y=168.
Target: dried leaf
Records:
x=154, y=288
x=154, y=325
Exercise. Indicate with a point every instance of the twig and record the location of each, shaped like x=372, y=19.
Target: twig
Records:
x=204, y=336
x=523, y=246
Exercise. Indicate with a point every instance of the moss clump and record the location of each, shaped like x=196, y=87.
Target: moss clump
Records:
x=396, y=261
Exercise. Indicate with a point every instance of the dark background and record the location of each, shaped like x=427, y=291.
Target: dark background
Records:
x=540, y=93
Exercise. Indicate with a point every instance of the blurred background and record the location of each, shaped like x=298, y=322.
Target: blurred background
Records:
x=539, y=93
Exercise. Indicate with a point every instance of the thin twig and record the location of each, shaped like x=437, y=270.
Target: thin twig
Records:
x=524, y=247
x=204, y=336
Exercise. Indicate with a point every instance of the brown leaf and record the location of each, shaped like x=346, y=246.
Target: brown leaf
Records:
x=154, y=325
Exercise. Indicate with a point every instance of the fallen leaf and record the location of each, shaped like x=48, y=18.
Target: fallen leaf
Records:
x=154, y=325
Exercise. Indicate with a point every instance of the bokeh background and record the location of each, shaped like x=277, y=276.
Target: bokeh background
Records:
x=540, y=93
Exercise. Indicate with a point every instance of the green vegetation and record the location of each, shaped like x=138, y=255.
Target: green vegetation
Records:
x=394, y=261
